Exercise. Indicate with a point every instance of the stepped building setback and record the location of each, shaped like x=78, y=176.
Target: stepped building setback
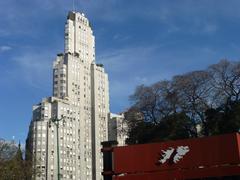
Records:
x=77, y=113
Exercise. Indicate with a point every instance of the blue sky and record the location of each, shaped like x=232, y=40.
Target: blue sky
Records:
x=138, y=41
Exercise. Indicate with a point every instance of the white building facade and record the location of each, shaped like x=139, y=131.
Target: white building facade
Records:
x=117, y=128
x=80, y=103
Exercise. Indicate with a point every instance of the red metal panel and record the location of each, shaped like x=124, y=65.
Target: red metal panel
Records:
x=238, y=141
x=166, y=175
x=184, y=174
x=221, y=171
x=208, y=151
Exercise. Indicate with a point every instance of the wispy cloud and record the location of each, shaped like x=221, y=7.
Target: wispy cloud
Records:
x=210, y=28
x=121, y=38
x=134, y=65
x=117, y=60
x=34, y=69
x=5, y=48
x=18, y=19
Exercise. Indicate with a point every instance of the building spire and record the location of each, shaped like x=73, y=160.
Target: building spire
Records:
x=19, y=144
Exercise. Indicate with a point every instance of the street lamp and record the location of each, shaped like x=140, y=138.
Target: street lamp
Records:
x=56, y=122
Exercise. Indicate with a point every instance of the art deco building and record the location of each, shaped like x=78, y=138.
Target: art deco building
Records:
x=79, y=108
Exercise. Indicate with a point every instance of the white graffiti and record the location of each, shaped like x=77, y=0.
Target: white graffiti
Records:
x=181, y=151
x=166, y=155
x=174, y=154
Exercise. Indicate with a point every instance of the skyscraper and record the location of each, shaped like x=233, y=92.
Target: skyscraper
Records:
x=73, y=122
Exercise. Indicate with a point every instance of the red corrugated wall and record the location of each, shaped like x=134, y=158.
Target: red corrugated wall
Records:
x=207, y=157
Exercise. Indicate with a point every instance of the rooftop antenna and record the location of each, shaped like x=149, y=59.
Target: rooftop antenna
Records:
x=73, y=5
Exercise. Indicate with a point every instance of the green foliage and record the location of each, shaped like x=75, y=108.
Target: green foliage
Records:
x=176, y=126
x=225, y=119
x=141, y=133
x=15, y=168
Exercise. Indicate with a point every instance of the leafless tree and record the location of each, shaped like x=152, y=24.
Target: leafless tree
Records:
x=225, y=79
x=192, y=94
x=156, y=101
x=7, y=150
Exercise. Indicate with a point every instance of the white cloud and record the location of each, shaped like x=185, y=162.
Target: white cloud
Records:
x=5, y=48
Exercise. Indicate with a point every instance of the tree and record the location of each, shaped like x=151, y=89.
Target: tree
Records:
x=145, y=100
x=193, y=92
x=225, y=79
x=13, y=169
x=155, y=102
x=7, y=150
x=13, y=166
x=213, y=117
x=209, y=99
x=135, y=122
x=143, y=132
x=175, y=126
x=224, y=119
